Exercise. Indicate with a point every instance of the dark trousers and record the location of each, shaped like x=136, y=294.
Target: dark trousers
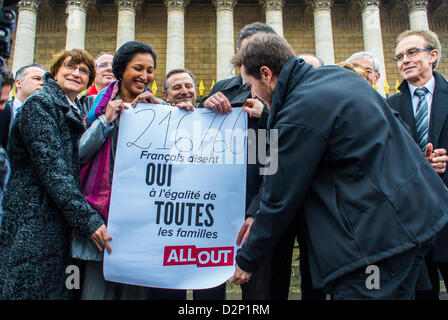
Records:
x=272, y=280
x=216, y=293
x=258, y=287
x=76, y=293
x=399, y=276
x=433, y=272
x=281, y=265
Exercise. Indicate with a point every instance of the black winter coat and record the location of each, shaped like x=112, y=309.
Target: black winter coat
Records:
x=366, y=190
x=43, y=201
x=438, y=136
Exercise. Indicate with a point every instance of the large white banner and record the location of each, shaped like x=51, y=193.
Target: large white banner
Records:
x=178, y=197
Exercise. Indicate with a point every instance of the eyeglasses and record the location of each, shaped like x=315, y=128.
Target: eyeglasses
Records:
x=411, y=53
x=104, y=65
x=82, y=71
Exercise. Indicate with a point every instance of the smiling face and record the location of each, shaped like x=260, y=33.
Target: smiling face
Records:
x=418, y=69
x=72, y=82
x=138, y=75
x=180, y=89
x=103, y=69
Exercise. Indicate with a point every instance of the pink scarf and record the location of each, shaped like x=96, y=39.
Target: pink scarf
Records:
x=95, y=175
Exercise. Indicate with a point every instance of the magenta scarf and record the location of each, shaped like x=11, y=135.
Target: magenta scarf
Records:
x=95, y=175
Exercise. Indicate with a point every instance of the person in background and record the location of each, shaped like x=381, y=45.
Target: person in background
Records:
x=103, y=76
x=28, y=81
x=355, y=67
x=6, y=108
x=313, y=60
x=369, y=62
x=43, y=202
x=5, y=116
x=103, y=73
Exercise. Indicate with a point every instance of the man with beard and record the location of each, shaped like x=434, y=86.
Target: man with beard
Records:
x=352, y=167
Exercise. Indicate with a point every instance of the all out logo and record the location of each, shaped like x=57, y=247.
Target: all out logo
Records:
x=202, y=257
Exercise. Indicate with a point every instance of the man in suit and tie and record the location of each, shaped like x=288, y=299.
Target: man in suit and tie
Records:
x=28, y=81
x=423, y=104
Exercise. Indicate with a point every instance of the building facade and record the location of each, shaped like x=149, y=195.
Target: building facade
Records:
x=200, y=35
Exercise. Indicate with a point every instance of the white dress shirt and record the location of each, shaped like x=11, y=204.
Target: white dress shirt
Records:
x=430, y=85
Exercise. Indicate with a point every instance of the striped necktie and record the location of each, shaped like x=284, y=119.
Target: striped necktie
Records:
x=421, y=118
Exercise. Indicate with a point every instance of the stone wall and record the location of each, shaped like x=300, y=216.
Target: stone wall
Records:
x=200, y=34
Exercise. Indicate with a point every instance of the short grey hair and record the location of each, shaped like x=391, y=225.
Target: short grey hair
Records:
x=174, y=71
x=21, y=73
x=365, y=55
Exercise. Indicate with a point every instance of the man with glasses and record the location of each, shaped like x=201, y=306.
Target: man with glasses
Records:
x=103, y=76
x=422, y=102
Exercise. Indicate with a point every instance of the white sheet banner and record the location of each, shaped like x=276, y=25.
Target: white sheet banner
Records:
x=178, y=197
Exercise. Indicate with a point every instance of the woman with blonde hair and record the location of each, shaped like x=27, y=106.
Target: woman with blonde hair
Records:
x=355, y=67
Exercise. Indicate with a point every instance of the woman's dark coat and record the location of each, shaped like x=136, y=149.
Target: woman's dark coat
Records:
x=43, y=202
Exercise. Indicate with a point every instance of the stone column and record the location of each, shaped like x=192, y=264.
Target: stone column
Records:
x=175, y=43
x=76, y=24
x=323, y=31
x=126, y=20
x=25, y=34
x=418, y=18
x=224, y=38
x=373, y=40
x=274, y=14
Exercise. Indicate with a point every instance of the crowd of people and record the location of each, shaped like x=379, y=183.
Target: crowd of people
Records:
x=361, y=179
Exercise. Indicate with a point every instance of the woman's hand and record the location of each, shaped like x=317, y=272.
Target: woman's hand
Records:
x=101, y=238
x=113, y=109
x=145, y=97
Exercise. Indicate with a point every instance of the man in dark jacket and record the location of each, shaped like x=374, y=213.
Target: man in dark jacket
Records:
x=5, y=105
x=225, y=95
x=344, y=157
x=417, y=55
